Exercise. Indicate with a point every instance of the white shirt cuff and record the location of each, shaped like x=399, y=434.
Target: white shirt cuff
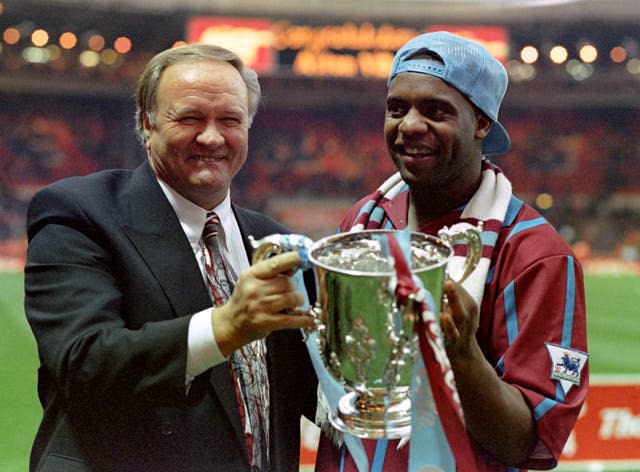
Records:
x=203, y=351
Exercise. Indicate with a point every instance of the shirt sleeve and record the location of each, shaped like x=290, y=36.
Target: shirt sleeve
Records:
x=545, y=305
x=203, y=352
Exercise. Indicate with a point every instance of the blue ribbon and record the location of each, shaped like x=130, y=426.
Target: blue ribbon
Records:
x=300, y=243
x=333, y=391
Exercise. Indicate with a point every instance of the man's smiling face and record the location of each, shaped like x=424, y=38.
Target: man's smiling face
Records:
x=433, y=133
x=197, y=140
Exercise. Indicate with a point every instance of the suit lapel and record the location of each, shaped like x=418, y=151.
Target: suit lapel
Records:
x=154, y=229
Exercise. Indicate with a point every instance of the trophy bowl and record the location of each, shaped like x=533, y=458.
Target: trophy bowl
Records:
x=366, y=338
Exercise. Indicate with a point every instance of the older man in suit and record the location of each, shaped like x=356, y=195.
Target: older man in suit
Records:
x=144, y=365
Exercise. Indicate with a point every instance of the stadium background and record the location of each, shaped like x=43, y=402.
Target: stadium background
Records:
x=316, y=145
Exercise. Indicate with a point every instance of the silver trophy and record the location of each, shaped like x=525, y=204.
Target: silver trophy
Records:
x=366, y=338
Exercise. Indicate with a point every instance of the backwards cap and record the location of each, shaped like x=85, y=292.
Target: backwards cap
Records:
x=468, y=67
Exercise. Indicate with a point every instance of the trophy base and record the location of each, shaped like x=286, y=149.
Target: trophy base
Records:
x=366, y=421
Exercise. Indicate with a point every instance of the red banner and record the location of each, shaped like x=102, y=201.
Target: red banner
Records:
x=252, y=39
x=608, y=429
x=345, y=49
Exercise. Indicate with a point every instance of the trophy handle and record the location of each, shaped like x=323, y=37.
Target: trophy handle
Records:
x=265, y=248
x=474, y=242
x=275, y=244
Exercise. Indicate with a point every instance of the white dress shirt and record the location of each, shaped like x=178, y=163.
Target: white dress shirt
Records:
x=203, y=351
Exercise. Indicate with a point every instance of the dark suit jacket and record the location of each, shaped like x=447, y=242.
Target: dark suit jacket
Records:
x=109, y=281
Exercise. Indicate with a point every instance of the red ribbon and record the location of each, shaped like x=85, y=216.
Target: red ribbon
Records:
x=437, y=366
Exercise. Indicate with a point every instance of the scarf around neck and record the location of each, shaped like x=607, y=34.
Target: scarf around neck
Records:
x=488, y=205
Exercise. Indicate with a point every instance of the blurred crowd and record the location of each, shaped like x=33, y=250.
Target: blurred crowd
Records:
x=581, y=168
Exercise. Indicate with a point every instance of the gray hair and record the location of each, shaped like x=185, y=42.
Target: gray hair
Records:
x=147, y=89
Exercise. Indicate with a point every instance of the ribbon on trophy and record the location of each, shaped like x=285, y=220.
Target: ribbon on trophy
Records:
x=437, y=427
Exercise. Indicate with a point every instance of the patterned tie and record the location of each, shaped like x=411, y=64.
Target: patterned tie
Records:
x=248, y=364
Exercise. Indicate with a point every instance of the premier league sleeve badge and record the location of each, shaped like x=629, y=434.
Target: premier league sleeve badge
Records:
x=566, y=365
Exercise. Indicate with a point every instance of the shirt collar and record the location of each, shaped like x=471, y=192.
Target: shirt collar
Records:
x=397, y=210
x=192, y=217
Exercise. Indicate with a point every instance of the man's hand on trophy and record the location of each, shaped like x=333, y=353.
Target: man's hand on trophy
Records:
x=261, y=301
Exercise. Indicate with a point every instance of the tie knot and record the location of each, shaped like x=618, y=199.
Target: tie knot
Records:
x=211, y=228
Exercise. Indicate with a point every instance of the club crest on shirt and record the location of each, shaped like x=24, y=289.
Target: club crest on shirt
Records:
x=566, y=364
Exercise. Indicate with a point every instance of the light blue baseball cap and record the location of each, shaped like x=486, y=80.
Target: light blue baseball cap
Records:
x=468, y=67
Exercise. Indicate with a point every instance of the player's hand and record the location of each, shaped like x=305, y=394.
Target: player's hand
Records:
x=459, y=321
x=262, y=296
